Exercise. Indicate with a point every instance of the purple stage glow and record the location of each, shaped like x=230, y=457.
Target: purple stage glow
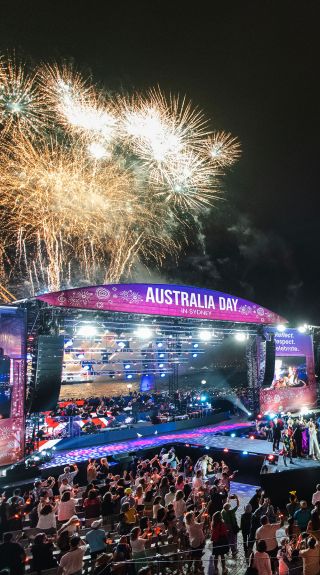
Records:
x=78, y=455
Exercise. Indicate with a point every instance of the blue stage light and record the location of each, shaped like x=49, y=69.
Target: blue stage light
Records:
x=244, y=453
x=160, y=344
x=129, y=376
x=194, y=355
x=161, y=354
x=195, y=345
x=162, y=375
x=233, y=434
x=127, y=366
x=203, y=398
x=161, y=364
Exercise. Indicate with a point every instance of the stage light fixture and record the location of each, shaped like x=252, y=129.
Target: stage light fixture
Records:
x=87, y=330
x=226, y=450
x=244, y=453
x=303, y=328
x=203, y=398
x=162, y=375
x=233, y=435
x=207, y=447
x=194, y=355
x=240, y=336
x=161, y=365
x=205, y=335
x=251, y=437
x=203, y=381
x=127, y=366
x=161, y=354
x=195, y=345
x=160, y=344
x=281, y=327
x=143, y=332
x=129, y=376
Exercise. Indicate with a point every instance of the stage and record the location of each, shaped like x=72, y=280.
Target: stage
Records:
x=215, y=437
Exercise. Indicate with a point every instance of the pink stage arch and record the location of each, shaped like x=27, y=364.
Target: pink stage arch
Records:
x=165, y=300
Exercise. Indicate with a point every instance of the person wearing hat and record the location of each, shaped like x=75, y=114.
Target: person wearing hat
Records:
x=96, y=538
x=128, y=497
x=72, y=562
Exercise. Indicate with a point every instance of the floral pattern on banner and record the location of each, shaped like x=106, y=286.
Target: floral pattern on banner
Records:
x=258, y=311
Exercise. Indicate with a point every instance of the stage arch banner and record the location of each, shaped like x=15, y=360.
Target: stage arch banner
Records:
x=166, y=300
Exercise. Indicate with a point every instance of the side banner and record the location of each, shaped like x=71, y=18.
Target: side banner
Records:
x=12, y=384
x=293, y=386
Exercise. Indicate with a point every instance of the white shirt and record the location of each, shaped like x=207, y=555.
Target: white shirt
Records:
x=169, y=498
x=47, y=521
x=179, y=507
x=197, y=483
x=66, y=509
x=73, y=560
x=268, y=534
x=262, y=563
x=196, y=535
x=315, y=497
x=69, y=476
x=138, y=545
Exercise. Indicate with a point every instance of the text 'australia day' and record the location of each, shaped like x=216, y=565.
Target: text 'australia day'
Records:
x=192, y=299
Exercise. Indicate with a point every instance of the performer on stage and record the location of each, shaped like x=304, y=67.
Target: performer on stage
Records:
x=314, y=449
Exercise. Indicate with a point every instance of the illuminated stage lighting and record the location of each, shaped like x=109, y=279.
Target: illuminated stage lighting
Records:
x=162, y=375
x=240, y=336
x=195, y=345
x=160, y=344
x=226, y=450
x=281, y=327
x=87, y=330
x=205, y=335
x=203, y=381
x=161, y=365
x=129, y=376
x=143, y=332
x=194, y=355
x=127, y=366
x=244, y=453
x=233, y=435
x=161, y=355
x=251, y=437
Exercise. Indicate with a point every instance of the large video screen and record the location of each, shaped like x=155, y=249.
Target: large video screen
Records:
x=293, y=387
x=12, y=380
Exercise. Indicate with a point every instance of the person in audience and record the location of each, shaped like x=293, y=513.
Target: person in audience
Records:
x=267, y=533
x=92, y=471
x=137, y=540
x=42, y=553
x=316, y=495
x=47, y=519
x=260, y=559
x=245, y=525
x=66, y=506
x=72, y=562
x=92, y=504
x=229, y=517
x=68, y=474
x=196, y=539
x=220, y=542
x=302, y=516
x=293, y=504
x=12, y=555
x=310, y=557
x=96, y=538
x=72, y=526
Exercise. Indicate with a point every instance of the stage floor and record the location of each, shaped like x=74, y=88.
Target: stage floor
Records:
x=212, y=436
x=194, y=436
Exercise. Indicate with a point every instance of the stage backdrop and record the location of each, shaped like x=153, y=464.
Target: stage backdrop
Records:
x=166, y=300
x=294, y=385
x=12, y=388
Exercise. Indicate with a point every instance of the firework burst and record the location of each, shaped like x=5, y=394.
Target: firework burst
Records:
x=91, y=183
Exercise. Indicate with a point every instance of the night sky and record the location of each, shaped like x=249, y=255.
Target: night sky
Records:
x=253, y=68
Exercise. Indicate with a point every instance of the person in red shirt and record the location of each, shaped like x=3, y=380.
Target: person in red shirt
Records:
x=219, y=538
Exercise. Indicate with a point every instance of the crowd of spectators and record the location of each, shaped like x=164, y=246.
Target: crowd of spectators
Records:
x=163, y=511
